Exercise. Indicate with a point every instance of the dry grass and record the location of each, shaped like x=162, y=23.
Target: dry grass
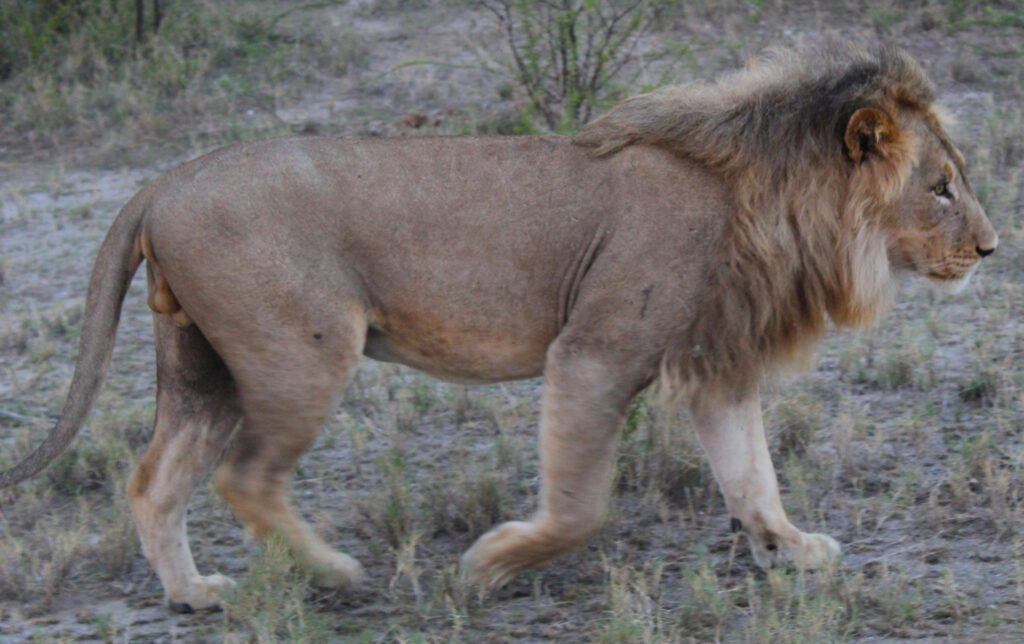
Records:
x=221, y=70
x=904, y=442
x=270, y=605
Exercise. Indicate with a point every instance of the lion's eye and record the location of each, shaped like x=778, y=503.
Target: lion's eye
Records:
x=942, y=190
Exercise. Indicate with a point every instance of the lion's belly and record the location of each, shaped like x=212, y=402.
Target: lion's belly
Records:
x=466, y=357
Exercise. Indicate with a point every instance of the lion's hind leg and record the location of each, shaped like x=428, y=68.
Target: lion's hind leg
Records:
x=286, y=397
x=197, y=410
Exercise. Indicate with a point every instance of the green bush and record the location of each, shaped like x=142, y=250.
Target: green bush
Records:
x=567, y=53
x=36, y=34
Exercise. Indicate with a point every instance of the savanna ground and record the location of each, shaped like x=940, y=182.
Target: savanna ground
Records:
x=904, y=442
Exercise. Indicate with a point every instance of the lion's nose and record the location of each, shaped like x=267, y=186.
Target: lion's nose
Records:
x=985, y=252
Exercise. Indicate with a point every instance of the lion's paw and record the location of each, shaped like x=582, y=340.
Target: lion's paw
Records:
x=504, y=551
x=811, y=552
x=202, y=593
x=336, y=570
x=817, y=551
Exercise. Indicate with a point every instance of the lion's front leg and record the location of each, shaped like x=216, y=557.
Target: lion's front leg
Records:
x=584, y=405
x=732, y=433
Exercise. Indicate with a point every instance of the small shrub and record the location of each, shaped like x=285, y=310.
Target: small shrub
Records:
x=706, y=606
x=981, y=388
x=795, y=420
x=391, y=514
x=660, y=455
x=35, y=564
x=566, y=54
x=272, y=600
x=470, y=505
x=636, y=613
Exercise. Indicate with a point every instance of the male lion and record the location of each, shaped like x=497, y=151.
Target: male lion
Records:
x=701, y=234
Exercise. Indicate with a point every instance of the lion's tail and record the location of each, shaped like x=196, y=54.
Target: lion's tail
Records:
x=118, y=259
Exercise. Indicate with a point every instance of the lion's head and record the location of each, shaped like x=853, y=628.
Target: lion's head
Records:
x=936, y=226
x=844, y=177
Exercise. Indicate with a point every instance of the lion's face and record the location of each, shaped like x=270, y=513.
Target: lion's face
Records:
x=938, y=228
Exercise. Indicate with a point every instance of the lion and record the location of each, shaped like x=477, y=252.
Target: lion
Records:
x=698, y=237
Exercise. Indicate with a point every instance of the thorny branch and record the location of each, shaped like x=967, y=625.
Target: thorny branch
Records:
x=564, y=52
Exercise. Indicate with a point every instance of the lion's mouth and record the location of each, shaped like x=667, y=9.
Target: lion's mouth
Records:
x=950, y=270
x=953, y=281
x=951, y=274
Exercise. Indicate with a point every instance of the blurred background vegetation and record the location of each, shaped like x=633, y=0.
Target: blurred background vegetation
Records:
x=74, y=70
x=115, y=74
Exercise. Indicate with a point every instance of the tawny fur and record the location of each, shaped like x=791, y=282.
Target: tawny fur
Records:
x=704, y=233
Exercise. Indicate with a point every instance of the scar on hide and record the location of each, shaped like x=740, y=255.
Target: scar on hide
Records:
x=647, y=296
x=161, y=299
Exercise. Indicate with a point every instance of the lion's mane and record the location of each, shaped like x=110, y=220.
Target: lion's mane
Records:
x=805, y=239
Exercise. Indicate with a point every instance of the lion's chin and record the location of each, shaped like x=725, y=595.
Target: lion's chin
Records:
x=952, y=285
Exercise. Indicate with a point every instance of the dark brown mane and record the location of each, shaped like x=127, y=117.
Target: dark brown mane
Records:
x=802, y=242
x=785, y=106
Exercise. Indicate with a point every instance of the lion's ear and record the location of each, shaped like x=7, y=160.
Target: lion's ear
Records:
x=870, y=131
